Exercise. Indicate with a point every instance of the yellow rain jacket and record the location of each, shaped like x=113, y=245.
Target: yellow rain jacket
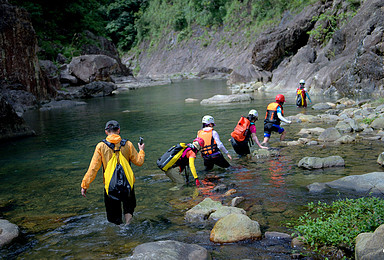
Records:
x=103, y=154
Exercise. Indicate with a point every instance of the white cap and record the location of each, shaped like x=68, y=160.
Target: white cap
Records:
x=302, y=81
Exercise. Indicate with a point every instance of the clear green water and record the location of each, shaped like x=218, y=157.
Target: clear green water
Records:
x=40, y=176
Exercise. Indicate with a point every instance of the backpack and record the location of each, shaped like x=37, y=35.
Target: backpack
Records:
x=170, y=157
x=118, y=174
x=299, y=98
x=241, y=130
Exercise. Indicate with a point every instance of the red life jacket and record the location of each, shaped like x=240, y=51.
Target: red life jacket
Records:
x=241, y=130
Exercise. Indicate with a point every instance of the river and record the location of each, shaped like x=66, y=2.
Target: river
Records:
x=40, y=176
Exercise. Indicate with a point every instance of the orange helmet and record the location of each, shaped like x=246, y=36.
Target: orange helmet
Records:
x=280, y=98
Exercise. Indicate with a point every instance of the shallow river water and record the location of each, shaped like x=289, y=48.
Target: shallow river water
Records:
x=40, y=176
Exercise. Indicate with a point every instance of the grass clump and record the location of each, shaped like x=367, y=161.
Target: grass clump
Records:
x=339, y=223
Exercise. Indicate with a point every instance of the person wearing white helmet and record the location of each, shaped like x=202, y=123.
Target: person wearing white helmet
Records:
x=213, y=146
x=245, y=128
x=302, y=95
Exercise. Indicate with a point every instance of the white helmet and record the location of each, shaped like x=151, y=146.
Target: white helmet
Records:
x=254, y=113
x=208, y=120
x=302, y=81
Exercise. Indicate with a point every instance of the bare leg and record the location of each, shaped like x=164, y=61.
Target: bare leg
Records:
x=266, y=139
x=283, y=135
x=128, y=218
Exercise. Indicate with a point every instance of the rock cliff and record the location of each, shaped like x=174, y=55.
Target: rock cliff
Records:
x=351, y=63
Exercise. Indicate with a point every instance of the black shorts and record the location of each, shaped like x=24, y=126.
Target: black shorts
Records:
x=269, y=128
x=113, y=207
x=241, y=148
x=217, y=158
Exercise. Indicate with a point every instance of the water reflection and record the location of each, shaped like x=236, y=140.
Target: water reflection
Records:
x=41, y=176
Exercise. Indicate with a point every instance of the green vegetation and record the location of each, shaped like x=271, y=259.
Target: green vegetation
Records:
x=339, y=223
x=61, y=26
x=329, y=22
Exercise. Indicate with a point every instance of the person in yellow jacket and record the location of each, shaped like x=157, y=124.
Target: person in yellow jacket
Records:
x=103, y=153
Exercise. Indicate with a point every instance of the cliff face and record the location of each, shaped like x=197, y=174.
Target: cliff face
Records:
x=351, y=62
x=19, y=64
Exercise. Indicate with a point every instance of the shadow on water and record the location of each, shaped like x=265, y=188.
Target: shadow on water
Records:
x=41, y=176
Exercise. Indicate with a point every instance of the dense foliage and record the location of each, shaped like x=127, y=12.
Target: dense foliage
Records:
x=339, y=223
x=61, y=25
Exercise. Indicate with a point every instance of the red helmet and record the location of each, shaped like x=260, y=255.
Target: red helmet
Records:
x=280, y=98
x=198, y=142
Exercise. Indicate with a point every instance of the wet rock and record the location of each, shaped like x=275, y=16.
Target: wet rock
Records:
x=61, y=104
x=343, y=127
x=277, y=235
x=323, y=106
x=378, y=123
x=234, y=228
x=201, y=211
x=309, y=131
x=346, y=101
x=318, y=163
x=298, y=242
x=8, y=232
x=169, y=250
x=346, y=139
x=229, y=192
x=66, y=77
x=191, y=100
x=370, y=245
x=380, y=159
x=220, y=188
x=265, y=153
x=224, y=211
x=89, y=68
x=366, y=183
x=329, y=135
x=97, y=89
x=308, y=118
x=354, y=125
x=316, y=187
x=236, y=201
x=222, y=99
x=11, y=124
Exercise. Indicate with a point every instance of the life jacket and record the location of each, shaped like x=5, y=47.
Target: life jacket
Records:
x=241, y=131
x=271, y=114
x=210, y=145
x=175, y=156
x=118, y=174
x=301, y=98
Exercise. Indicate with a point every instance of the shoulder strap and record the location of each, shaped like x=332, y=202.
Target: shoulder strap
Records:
x=123, y=142
x=110, y=145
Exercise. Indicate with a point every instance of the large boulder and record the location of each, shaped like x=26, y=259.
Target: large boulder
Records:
x=329, y=135
x=366, y=183
x=89, y=68
x=224, y=211
x=234, y=228
x=11, y=124
x=370, y=245
x=169, y=250
x=222, y=99
x=97, y=89
x=201, y=211
x=380, y=159
x=378, y=123
x=8, y=232
x=318, y=163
